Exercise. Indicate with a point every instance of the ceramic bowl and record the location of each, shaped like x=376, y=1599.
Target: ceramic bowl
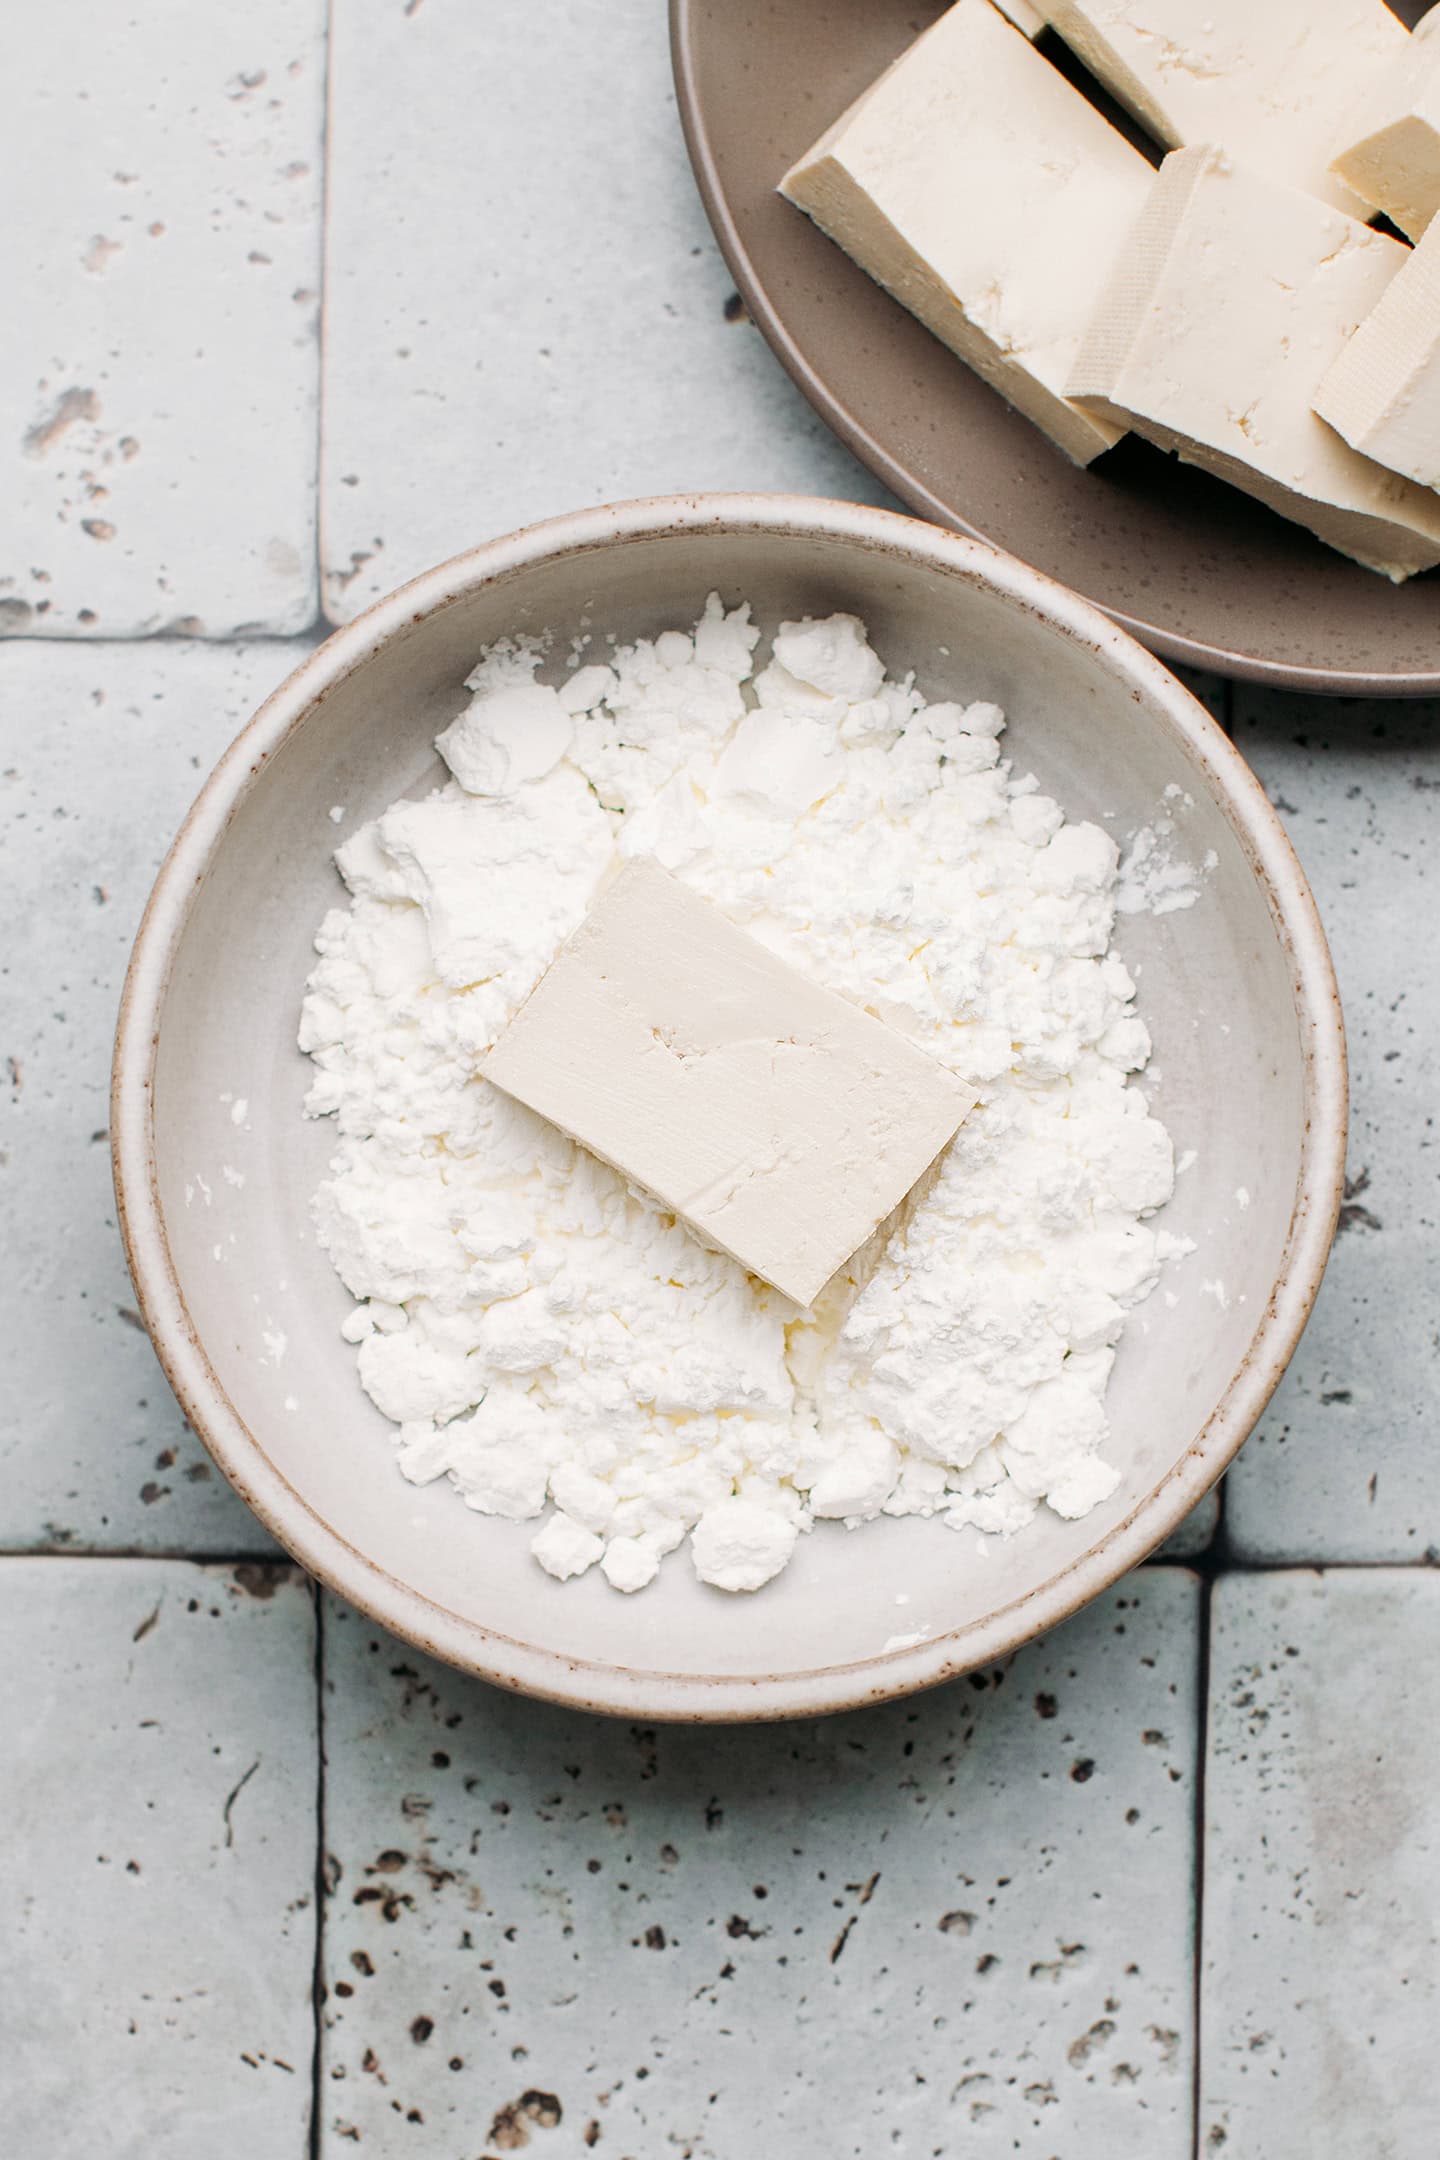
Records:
x=1249, y=1073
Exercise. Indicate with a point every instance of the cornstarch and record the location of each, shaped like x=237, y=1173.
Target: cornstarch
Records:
x=546, y=1336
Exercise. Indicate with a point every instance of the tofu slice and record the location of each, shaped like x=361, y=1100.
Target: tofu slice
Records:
x=1234, y=298
x=1274, y=82
x=1394, y=161
x=980, y=188
x=1383, y=393
x=1027, y=17
x=780, y=1122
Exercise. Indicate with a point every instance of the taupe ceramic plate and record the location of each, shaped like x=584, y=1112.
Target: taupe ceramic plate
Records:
x=1197, y=571
x=1249, y=1072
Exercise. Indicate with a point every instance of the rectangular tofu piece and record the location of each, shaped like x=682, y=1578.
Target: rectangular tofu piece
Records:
x=1383, y=393
x=1232, y=301
x=978, y=186
x=777, y=1120
x=1027, y=18
x=1274, y=82
x=1394, y=161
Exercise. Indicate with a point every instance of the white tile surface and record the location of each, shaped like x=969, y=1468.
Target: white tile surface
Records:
x=160, y=266
x=1321, y=1955
x=962, y=1923
x=525, y=310
x=1344, y=1464
x=102, y=748
x=157, y=1871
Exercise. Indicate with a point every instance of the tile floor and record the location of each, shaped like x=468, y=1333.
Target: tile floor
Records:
x=1164, y=1885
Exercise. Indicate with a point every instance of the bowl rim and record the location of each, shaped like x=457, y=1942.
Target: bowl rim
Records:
x=649, y=1694
x=902, y=478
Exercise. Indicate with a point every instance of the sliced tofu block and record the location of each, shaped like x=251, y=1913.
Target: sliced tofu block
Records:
x=1027, y=18
x=1383, y=393
x=979, y=187
x=1233, y=299
x=780, y=1122
x=1394, y=161
x=1274, y=82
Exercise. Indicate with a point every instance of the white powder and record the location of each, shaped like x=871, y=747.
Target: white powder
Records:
x=1152, y=881
x=542, y=1333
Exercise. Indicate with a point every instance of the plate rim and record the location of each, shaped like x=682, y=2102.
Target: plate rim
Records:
x=1168, y=645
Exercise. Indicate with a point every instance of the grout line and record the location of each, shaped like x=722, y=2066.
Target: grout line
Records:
x=1221, y=1545
x=237, y=1557
x=317, y=1980
x=322, y=346
x=1202, y=1742
x=312, y=633
x=1218, y=1559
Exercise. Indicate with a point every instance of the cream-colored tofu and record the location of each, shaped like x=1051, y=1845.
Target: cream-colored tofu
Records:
x=1394, y=161
x=1274, y=82
x=1383, y=393
x=778, y=1121
x=979, y=187
x=1026, y=17
x=1234, y=297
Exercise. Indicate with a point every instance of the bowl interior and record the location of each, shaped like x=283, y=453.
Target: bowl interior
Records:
x=234, y=1183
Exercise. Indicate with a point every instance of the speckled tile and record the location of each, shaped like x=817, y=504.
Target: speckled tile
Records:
x=968, y=1915
x=1321, y=1955
x=525, y=310
x=102, y=748
x=1344, y=1465
x=161, y=269
x=158, y=1867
